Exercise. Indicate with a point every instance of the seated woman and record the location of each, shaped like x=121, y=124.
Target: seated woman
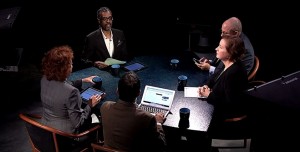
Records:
x=225, y=88
x=62, y=101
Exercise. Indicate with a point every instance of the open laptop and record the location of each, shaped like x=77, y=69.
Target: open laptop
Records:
x=157, y=99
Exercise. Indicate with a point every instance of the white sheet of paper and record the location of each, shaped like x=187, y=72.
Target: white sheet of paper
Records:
x=95, y=119
x=191, y=92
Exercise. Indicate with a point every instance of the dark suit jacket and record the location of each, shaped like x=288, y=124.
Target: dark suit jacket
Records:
x=62, y=106
x=248, y=58
x=95, y=48
x=130, y=129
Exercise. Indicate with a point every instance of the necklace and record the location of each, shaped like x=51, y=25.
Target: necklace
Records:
x=219, y=75
x=225, y=68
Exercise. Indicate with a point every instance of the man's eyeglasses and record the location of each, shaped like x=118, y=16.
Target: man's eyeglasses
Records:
x=225, y=33
x=229, y=33
x=106, y=18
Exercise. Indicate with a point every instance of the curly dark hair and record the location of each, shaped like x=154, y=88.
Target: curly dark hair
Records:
x=57, y=63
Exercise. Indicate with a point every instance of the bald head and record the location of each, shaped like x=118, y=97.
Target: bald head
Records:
x=232, y=27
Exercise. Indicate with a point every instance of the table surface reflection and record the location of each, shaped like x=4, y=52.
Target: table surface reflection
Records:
x=159, y=73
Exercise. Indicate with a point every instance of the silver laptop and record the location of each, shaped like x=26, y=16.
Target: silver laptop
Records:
x=157, y=99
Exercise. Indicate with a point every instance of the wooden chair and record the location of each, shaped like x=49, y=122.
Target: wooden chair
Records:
x=47, y=139
x=241, y=131
x=253, y=71
x=235, y=137
x=99, y=147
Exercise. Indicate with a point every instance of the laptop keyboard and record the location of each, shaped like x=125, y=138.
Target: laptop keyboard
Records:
x=153, y=110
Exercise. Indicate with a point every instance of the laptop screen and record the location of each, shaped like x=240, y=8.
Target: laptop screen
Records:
x=158, y=97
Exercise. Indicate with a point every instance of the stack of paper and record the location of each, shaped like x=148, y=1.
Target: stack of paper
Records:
x=95, y=119
x=192, y=92
x=111, y=61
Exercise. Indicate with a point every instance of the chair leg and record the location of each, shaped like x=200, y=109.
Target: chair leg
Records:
x=252, y=146
x=245, y=143
x=214, y=149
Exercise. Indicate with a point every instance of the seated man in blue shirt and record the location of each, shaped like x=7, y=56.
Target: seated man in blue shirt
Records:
x=231, y=27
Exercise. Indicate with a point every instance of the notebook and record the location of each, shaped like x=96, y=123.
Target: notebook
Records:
x=192, y=92
x=157, y=99
x=134, y=67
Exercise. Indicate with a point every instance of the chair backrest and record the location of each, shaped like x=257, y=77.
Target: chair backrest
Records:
x=235, y=133
x=99, y=147
x=253, y=71
x=237, y=129
x=255, y=83
x=48, y=139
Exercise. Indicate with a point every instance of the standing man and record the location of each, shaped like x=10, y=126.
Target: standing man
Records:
x=105, y=42
x=232, y=27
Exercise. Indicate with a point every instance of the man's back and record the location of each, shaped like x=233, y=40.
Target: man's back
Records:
x=130, y=129
x=248, y=58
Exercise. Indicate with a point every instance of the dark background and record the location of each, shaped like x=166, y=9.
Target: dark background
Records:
x=150, y=28
x=153, y=27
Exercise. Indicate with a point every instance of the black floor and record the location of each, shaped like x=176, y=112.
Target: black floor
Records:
x=20, y=93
